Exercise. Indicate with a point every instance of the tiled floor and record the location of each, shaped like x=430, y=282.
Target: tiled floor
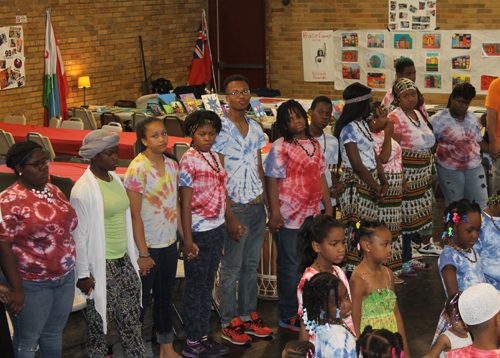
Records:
x=420, y=300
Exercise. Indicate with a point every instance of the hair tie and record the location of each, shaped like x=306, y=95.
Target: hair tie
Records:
x=393, y=352
x=359, y=99
x=456, y=218
x=358, y=247
x=310, y=353
x=193, y=129
x=358, y=225
x=465, y=218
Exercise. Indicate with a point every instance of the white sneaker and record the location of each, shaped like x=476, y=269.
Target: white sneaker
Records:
x=415, y=255
x=430, y=249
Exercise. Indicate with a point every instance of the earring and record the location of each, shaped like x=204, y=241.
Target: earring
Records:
x=20, y=174
x=367, y=250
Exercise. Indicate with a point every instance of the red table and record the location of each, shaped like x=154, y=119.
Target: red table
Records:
x=67, y=170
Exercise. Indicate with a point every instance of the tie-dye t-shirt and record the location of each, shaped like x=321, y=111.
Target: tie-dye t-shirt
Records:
x=240, y=159
x=395, y=162
x=330, y=147
x=388, y=101
x=159, y=199
x=300, y=187
x=468, y=273
x=487, y=248
x=471, y=352
x=353, y=133
x=40, y=232
x=334, y=341
x=458, y=147
x=417, y=139
x=208, y=204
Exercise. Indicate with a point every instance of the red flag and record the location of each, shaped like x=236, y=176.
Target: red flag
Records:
x=200, y=68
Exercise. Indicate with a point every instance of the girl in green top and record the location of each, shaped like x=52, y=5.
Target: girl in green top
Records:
x=372, y=284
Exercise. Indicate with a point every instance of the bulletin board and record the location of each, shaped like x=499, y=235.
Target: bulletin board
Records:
x=442, y=58
x=12, y=60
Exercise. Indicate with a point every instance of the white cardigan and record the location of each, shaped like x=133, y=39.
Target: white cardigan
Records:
x=86, y=199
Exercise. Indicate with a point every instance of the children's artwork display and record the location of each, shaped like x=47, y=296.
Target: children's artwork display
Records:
x=258, y=110
x=12, y=61
x=337, y=109
x=317, y=56
x=211, y=103
x=443, y=58
x=412, y=15
x=191, y=103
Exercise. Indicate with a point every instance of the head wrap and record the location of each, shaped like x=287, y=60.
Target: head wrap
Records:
x=403, y=84
x=379, y=110
x=97, y=141
x=494, y=199
x=358, y=99
x=479, y=303
x=193, y=128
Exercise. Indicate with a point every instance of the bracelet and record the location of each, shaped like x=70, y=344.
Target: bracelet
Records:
x=144, y=256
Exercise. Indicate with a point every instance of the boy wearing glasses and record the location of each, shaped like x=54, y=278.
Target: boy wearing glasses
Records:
x=239, y=144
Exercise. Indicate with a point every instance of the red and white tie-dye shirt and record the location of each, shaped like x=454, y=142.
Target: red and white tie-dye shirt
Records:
x=40, y=232
x=395, y=162
x=417, y=139
x=471, y=352
x=300, y=187
x=208, y=204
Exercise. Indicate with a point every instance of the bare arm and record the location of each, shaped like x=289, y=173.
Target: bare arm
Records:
x=358, y=287
x=8, y=264
x=491, y=124
x=385, y=154
x=442, y=345
x=276, y=221
x=261, y=177
x=145, y=264
x=325, y=197
x=303, y=335
x=450, y=279
x=397, y=137
x=190, y=248
x=382, y=178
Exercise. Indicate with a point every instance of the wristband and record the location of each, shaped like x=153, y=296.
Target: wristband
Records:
x=144, y=256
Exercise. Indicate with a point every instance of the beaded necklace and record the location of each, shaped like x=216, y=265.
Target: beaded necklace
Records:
x=206, y=159
x=415, y=123
x=343, y=324
x=380, y=130
x=461, y=252
x=492, y=220
x=365, y=130
x=321, y=270
x=311, y=139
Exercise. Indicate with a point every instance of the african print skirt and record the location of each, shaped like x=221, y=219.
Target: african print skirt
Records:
x=357, y=202
x=389, y=211
x=417, y=203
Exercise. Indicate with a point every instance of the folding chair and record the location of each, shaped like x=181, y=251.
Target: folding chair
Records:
x=112, y=127
x=87, y=118
x=72, y=123
x=44, y=142
x=6, y=141
x=15, y=119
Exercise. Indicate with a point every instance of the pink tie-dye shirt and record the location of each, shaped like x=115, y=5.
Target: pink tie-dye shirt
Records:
x=299, y=186
x=208, y=204
x=417, y=139
x=471, y=352
x=395, y=162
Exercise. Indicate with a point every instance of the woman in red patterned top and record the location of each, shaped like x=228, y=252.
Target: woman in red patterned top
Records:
x=37, y=253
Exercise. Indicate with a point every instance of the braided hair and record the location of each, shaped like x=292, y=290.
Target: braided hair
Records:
x=283, y=118
x=460, y=208
x=316, y=295
x=451, y=308
x=299, y=349
x=19, y=153
x=494, y=199
x=365, y=230
x=315, y=228
x=379, y=343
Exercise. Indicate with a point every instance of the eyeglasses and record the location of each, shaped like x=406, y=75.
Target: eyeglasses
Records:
x=238, y=93
x=40, y=165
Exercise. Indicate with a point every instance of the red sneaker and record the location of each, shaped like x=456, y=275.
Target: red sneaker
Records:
x=256, y=327
x=235, y=333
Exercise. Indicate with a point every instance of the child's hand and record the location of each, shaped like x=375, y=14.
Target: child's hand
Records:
x=406, y=187
x=145, y=264
x=235, y=229
x=336, y=190
x=86, y=285
x=190, y=251
x=275, y=223
x=16, y=301
x=389, y=129
x=4, y=293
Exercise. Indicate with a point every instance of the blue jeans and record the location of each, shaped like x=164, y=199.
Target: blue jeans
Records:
x=199, y=282
x=161, y=279
x=240, y=263
x=458, y=184
x=47, y=306
x=287, y=272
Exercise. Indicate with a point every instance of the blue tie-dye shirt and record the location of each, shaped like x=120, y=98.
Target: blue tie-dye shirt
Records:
x=487, y=248
x=334, y=341
x=240, y=159
x=468, y=273
x=353, y=133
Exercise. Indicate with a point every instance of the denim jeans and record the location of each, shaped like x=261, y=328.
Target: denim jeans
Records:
x=458, y=184
x=47, y=306
x=240, y=263
x=161, y=279
x=288, y=272
x=199, y=282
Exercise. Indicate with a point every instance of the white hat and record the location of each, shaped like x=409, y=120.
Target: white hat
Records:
x=479, y=303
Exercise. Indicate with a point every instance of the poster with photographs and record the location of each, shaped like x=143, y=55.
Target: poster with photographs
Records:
x=412, y=15
x=12, y=61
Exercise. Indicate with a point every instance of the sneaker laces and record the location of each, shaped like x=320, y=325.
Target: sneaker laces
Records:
x=258, y=322
x=239, y=329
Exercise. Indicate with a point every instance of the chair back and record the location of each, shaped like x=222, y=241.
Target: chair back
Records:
x=108, y=117
x=179, y=149
x=113, y=127
x=6, y=180
x=64, y=184
x=55, y=122
x=44, y=142
x=142, y=102
x=15, y=119
x=174, y=125
x=72, y=123
x=6, y=141
x=86, y=117
x=137, y=118
x=125, y=104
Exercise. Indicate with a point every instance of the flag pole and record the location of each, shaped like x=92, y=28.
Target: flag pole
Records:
x=210, y=54
x=52, y=92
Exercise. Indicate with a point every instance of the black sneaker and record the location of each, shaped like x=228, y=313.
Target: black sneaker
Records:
x=215, y=346
x=291, y=324
x=198, y=350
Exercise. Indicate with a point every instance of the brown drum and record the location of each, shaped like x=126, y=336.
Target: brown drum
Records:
x=266, y=272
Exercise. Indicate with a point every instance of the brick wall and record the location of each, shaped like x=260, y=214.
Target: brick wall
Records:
x=286, y=23
x=100, y=39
